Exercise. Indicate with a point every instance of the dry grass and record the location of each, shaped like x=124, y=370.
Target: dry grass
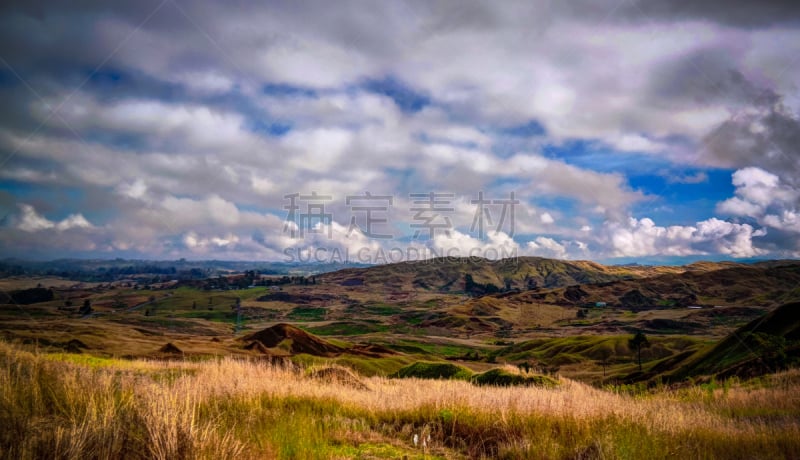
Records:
x=67, y=406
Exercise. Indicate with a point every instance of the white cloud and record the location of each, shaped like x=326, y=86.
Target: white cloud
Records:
x=762, y=196
x=547, y=247
x=173, y=151
x=642, y=238
x=31, y=221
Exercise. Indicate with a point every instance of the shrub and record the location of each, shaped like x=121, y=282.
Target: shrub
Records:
x=426, y=370
x=504, y=378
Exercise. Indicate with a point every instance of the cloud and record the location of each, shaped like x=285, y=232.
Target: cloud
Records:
x=200, y=117
x=547, y=247
x=737, y=13
x=642, y=237
x=697, y=178
x=767, y=199
x=31, y=221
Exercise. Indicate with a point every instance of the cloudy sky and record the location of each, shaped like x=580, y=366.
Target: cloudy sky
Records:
x=626, y=130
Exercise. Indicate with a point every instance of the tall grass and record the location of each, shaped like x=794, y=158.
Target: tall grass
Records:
x=53, y=406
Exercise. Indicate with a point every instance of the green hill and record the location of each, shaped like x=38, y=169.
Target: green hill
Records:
x=764, y=345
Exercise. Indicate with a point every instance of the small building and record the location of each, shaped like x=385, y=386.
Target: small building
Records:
x=600, y=304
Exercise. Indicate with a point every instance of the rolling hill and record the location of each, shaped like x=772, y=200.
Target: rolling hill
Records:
x=448, y=274
x=744, y=285
x=762, y=346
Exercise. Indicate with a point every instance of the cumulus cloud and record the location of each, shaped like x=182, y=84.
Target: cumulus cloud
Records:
x=770, y=201
x=200, y=117
x=31, y=221
x=547, y=247
x=642, y=237
x=546, y=218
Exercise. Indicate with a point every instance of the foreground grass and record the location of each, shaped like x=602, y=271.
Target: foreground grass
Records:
x=62, y=406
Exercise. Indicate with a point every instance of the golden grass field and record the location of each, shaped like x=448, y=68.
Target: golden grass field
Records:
x=58, y=405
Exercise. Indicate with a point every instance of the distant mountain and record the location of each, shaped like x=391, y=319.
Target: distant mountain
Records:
x=763, y=284
x=487, y=276
x=105, y=270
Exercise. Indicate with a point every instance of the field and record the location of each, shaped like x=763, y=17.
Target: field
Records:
x=59, y=405
x=361, y=363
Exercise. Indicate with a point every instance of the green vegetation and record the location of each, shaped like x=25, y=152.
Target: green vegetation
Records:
x=307, y=314
x=448, y=350
x=54, y=406
x=764, y=345
x=428, y=370
x=504, y=378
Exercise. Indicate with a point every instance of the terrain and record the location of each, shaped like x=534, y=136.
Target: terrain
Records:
x=65, y=405
x=355, y=362
x=566, y=317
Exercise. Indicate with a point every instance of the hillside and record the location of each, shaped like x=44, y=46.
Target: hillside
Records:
x=448, y=274
x=762, y=346
x=760, y=284
x=293, y=340
x=381, y=318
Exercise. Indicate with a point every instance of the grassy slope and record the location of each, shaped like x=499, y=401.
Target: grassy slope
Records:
x=739, y=285
x=68, y=406
x=447, y=274
x=739, y=352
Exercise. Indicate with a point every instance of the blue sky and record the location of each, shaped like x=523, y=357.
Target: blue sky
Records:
x=656, y=132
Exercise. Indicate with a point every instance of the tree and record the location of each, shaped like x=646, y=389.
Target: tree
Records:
x=86, y=308
x=638, y=342
x=469, y=283
x=605, y=358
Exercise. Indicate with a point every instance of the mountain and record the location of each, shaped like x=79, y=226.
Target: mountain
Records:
x=448, y=274
x=768, y=284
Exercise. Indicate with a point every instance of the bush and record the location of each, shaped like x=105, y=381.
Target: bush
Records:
x=504, y=378
x=426, y=370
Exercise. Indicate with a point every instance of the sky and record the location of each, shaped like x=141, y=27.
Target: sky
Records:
x=610, y=130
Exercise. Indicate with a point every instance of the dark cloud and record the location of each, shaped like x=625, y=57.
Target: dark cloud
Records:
x=737, y=13
x=705, y=77
x=767, y=137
